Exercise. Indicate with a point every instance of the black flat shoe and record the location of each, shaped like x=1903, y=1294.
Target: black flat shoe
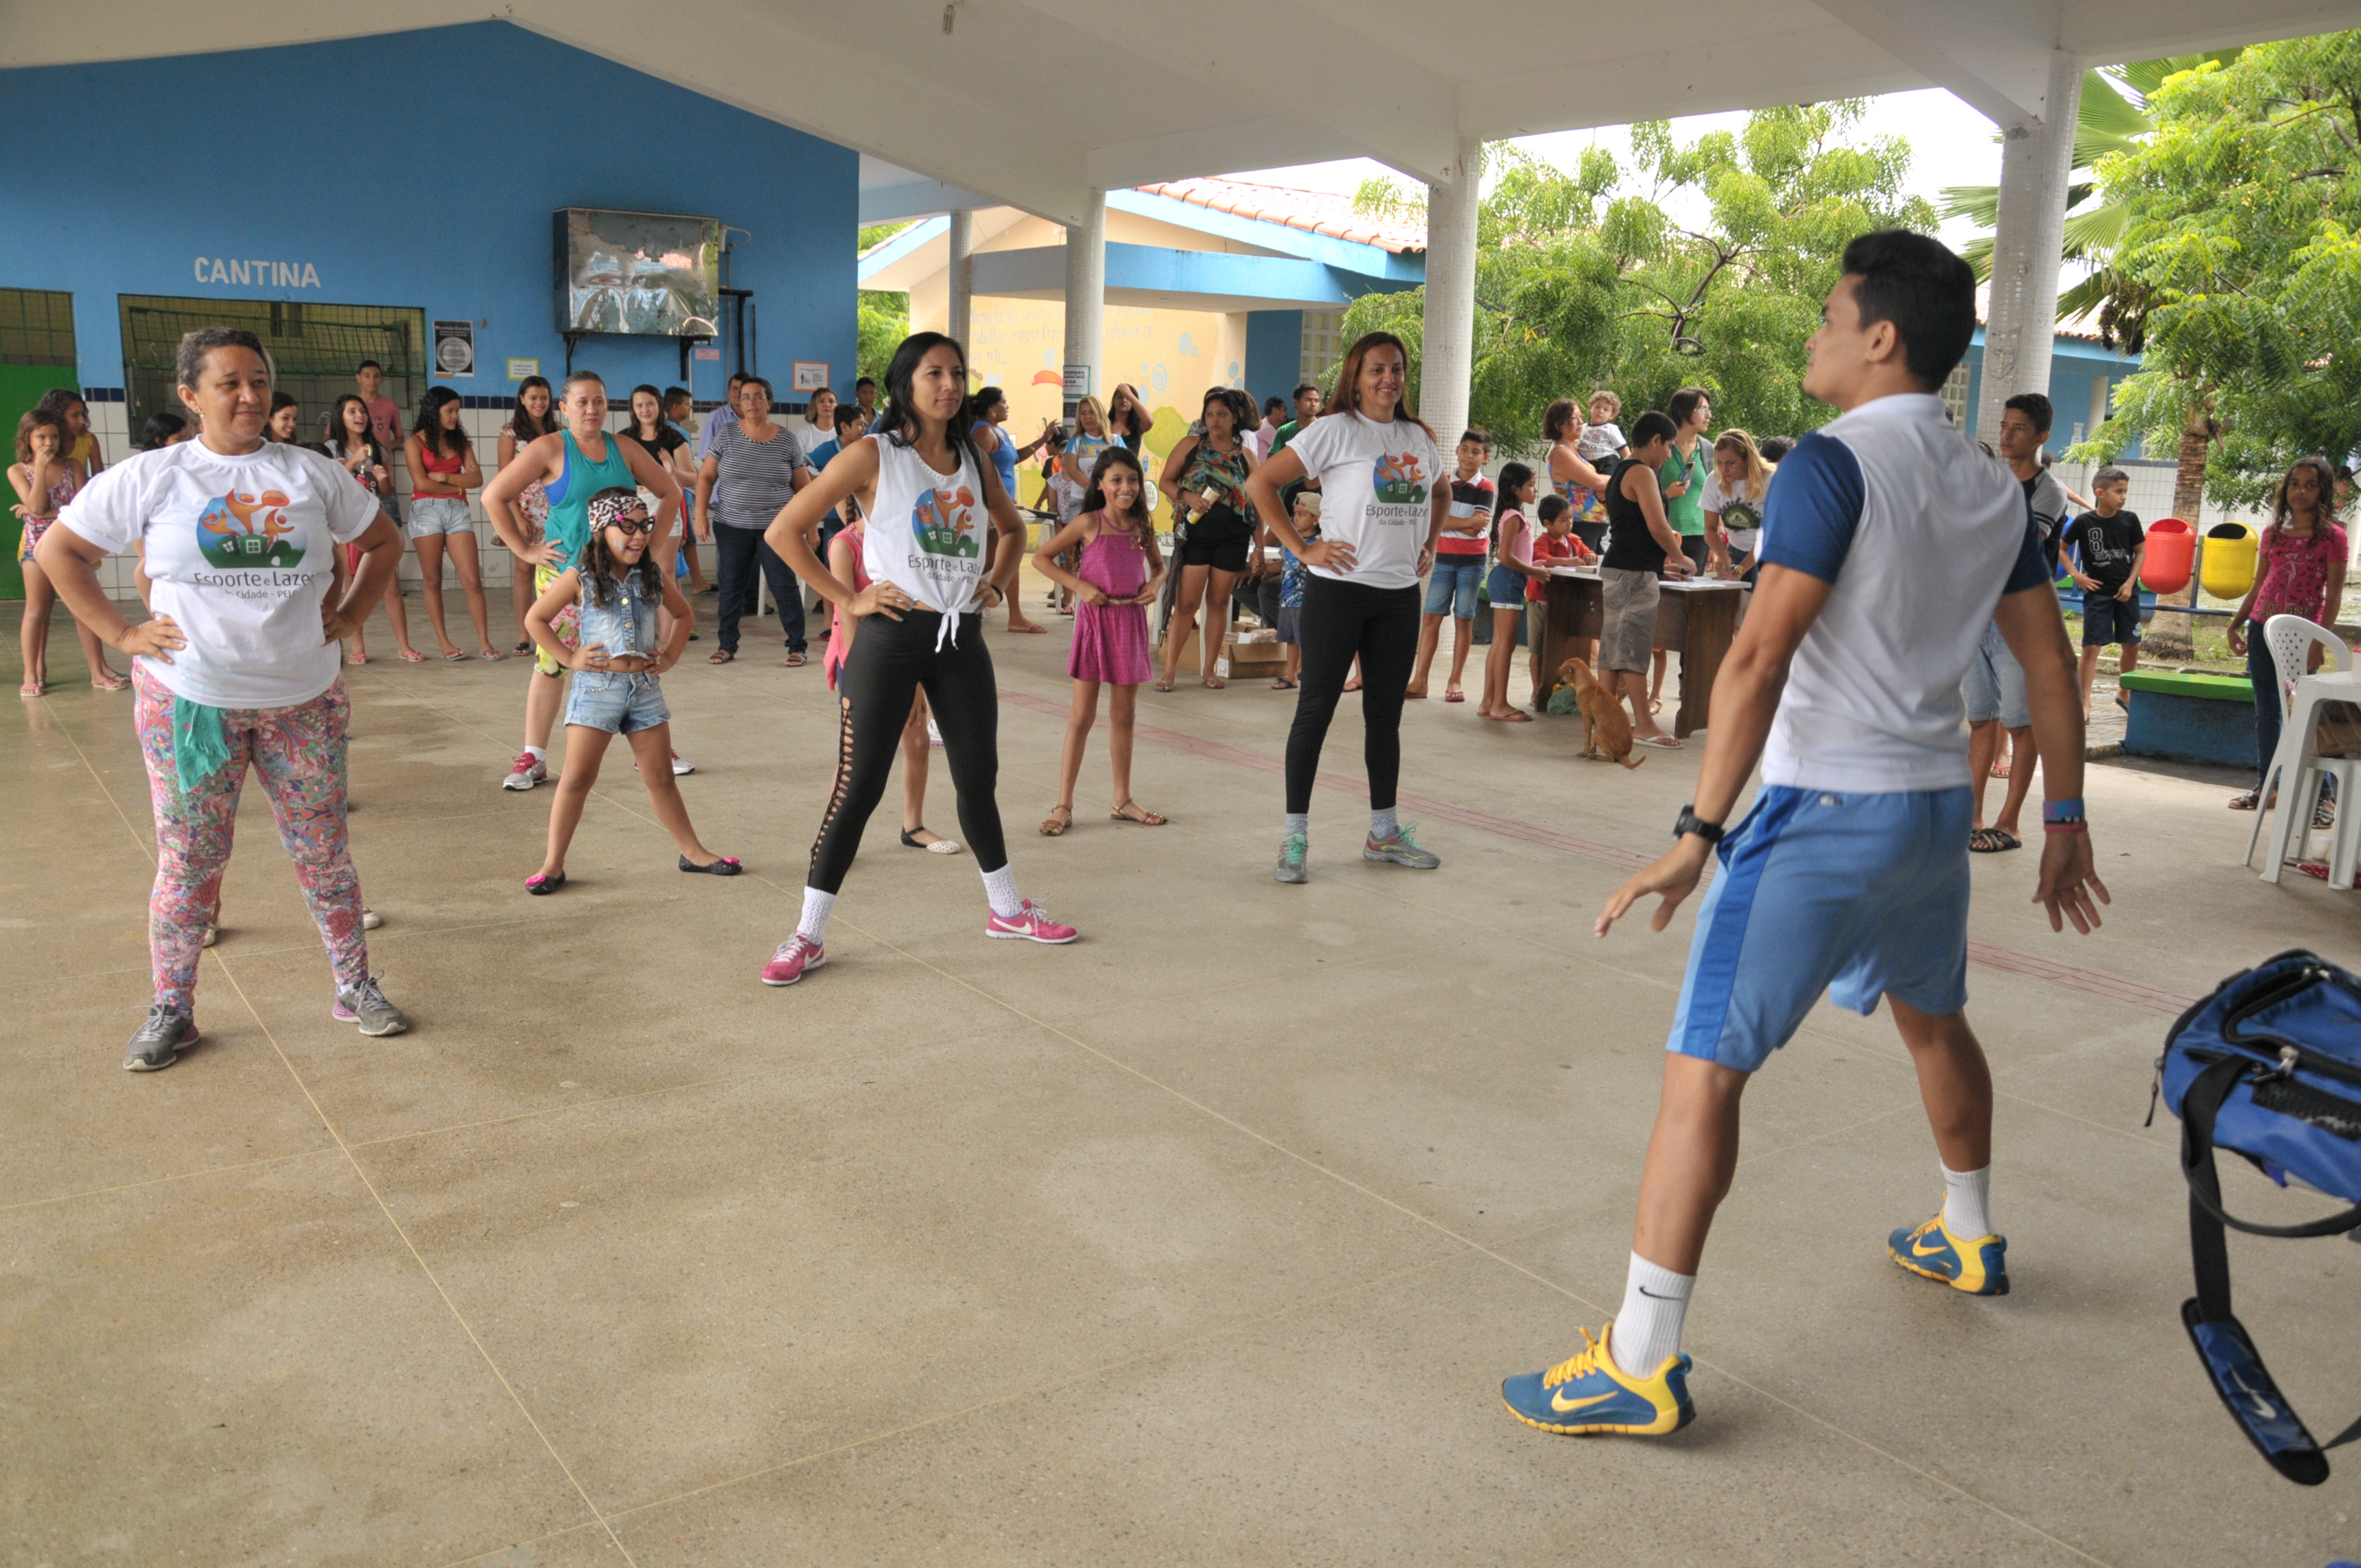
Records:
x=538, y=885
x=725, y=866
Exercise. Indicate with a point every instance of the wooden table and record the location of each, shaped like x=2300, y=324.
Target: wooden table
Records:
x=1696, y=619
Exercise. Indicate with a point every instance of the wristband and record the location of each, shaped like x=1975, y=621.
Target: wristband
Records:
x=2061, y=811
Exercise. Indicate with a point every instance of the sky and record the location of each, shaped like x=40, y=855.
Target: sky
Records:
x=1950, y=143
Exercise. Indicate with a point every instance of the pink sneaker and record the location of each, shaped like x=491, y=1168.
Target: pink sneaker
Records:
x=525, y=772
x=1033, y=924
x=796, y=957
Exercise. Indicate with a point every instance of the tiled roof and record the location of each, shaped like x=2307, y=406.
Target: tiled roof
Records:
x=1317, y=211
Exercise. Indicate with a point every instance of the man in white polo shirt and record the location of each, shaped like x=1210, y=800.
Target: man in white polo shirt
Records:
x=1888, y=541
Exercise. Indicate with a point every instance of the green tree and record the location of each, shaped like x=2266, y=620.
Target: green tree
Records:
x=884, y=316
x=2240, y=267
x=1588, y=278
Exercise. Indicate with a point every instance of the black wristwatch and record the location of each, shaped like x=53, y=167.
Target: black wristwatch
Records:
x=1690, y=822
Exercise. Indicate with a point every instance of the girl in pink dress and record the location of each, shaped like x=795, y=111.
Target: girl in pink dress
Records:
x=844, y=559
x=1119, y=573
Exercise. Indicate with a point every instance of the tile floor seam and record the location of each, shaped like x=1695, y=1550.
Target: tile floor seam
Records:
x=402, y=1236
x=998, y=1402
x=190, y=1175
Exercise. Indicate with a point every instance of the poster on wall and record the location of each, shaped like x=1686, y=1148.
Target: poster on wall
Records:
x=455, y=348
x=518, y=370
x=810, y=375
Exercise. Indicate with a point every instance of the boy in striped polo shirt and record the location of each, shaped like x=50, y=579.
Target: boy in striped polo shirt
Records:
x=1460, y=551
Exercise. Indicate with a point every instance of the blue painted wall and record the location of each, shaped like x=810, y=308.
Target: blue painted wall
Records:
x=2074, y=364
x=472, y=135
x=1274, y=353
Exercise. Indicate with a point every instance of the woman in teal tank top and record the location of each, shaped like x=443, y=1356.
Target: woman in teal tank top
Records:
x=561, y=464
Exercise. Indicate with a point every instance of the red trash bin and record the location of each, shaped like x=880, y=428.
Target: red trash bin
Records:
x=2171, y=550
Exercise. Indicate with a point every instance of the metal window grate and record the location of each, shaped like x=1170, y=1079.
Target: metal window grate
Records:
x=37, y=328
x=1955, y=394
x=1321, y=348
x=314, y=349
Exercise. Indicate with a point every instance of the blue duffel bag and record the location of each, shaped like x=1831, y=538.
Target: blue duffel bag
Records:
x=2267, y=1067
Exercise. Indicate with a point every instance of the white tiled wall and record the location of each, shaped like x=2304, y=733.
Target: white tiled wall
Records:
x=483, y=427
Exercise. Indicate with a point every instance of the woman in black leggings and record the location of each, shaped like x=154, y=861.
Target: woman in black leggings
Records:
x=1385, y=495
x=941, y=545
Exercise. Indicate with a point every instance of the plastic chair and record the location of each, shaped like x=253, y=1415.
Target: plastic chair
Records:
x=2296, y=769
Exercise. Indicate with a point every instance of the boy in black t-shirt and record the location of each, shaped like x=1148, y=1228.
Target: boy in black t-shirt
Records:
x=2109, y=544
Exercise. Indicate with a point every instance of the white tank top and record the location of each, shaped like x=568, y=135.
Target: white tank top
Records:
x=927, y=530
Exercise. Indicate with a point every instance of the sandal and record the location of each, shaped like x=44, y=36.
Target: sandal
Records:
x=721, y=655
x=727, y=865
x=356, y=658
x=1351, y=685
x=1661, y=742
x=941, y=846
x=1214, y=684
x=30, y=688
x=1991, y=841
x=2323, y=814
x=1282, y=685
x=1164, y=686
x=2246, y=802
x=1054, y=826
x=794, y=660
x=525, y=646
x=109, y=682
x=538, y=885
x=1146, y=818
x=2000, y=766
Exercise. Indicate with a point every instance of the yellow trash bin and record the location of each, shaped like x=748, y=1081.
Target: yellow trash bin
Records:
x=2229, y=569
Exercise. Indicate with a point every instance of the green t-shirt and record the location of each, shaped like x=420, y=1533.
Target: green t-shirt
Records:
x=1686, y=511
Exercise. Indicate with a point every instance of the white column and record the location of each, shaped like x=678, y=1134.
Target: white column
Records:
x=2028, y=237
x=1086, y=292
x=1449, y=344
x=962, y=273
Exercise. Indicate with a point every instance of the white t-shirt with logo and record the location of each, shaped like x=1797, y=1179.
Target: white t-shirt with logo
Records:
x=1742, y=518
x=1375, y=493
x=242, y=551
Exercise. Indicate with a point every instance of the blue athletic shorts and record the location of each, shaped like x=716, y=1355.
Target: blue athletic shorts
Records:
x=1854, y=894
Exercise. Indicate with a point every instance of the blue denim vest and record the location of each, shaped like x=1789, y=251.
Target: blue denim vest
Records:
x=625, y=624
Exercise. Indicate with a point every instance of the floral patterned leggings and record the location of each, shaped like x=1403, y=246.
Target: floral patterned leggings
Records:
x=300, y=754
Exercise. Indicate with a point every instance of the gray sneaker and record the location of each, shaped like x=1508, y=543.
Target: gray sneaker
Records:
x=161, y=1040
x=1402, y=850
x=1291, y=867
x=364, y=1005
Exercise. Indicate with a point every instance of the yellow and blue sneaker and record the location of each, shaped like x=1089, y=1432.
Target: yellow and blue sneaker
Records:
x=1978, y=1266
x=1591, y=1394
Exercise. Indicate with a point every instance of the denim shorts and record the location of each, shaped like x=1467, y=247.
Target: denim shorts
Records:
x=1505, y=589
x=1453, y=587
x=1857, y=895
x=1994, y=686
x=439, y=514
x=2108, y=619
x=616, y=701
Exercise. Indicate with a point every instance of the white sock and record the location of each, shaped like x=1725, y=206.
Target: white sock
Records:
x=816, y=905
x=999, y=886
x=1648, y=1330
x=1299, y=825
x=1383, y=824
x=538, y=753
x=1967, y=1202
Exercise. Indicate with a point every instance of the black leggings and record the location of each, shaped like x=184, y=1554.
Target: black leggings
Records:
x=890, y=661
x=1340, y=620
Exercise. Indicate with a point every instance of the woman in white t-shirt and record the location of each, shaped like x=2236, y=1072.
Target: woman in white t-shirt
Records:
x=1387, y=495
x=1734, y=492
x=939, y=545
x=240, y=666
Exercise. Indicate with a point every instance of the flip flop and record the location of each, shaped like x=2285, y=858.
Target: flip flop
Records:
x=1453, y=693
x=356, y=658
x=727, y=865
x=413, y=656
x=1513, y=716
x=109, y=682
x=1214, y=684
x=490, y=655
x=1413, y=696
x=2000, y=766
x=1164, y=686
x=1028, y=628
x=1661, y=742
x=1351, y=685
x=525, y=646
x=1282, y=685
x=30, y=688
x=455, y=658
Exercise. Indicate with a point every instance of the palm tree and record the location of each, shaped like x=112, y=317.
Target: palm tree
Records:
x=2112, y=118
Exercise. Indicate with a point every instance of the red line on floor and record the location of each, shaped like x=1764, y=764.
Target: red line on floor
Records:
x=2008, y=960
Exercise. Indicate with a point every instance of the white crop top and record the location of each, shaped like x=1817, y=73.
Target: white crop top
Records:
x=925, y=533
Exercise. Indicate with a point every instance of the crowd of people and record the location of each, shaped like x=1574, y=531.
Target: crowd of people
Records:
x=1902, y=627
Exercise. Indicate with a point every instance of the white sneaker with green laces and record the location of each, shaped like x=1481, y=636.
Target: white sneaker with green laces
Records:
x=1291, y=866
x=1402, y=850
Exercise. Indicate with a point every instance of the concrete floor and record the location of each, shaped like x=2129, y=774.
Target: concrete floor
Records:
x=1206, y=1240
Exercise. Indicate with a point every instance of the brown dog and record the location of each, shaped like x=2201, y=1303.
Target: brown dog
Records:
x=1603, y=719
